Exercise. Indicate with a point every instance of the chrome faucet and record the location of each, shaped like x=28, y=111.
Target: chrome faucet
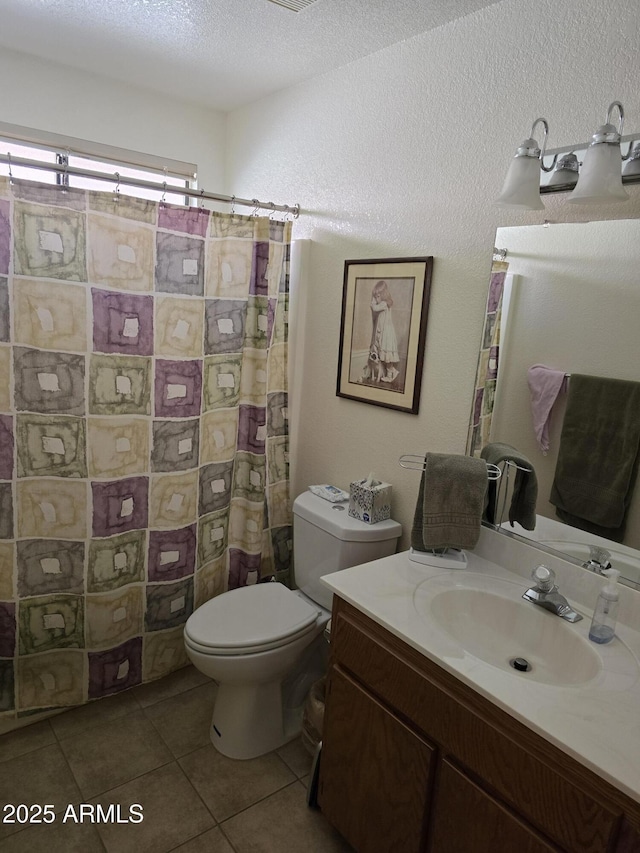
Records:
x=599, y=559
x=545, y=594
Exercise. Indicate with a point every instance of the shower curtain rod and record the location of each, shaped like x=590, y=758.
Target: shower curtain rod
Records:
x=163, y=187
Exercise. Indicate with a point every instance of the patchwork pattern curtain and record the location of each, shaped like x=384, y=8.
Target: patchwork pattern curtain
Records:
x=143, y=432
x=488, y=360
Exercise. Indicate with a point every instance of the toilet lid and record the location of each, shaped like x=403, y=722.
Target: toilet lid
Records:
x=250, y=616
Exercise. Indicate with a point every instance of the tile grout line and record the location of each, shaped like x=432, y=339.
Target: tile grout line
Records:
x=130, y=692
x=102, y=793
x=167, y=745
x=73, y=776
x=295, y=772
x=257, y=802
x=220, y=824
x=199, y=835
x=99, y=722
x=216, y=822
x=83, y=732
x=224, y=834
x=290, y=769
x=173, y=695
x=29, y=751
x=245, y=808
x=174, y=761
x=136, y=709
x=173, y=758
x=160, y=716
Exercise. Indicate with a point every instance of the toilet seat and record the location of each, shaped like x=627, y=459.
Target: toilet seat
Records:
x=250, y=619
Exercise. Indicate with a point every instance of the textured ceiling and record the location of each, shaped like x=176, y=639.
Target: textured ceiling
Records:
x=224, y=53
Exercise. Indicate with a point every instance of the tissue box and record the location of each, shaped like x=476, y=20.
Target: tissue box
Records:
x=370, y=503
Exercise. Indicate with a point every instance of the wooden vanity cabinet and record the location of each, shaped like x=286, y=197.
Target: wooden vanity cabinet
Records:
x=380, y=771
x=414, y=760
x=466, y=818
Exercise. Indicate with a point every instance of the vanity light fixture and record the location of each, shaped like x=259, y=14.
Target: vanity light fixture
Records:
x=601, y=176
x=598, y=179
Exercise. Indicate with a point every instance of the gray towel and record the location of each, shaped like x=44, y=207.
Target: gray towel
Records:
x=524, y=496
x=598, y=456
x=450, y=502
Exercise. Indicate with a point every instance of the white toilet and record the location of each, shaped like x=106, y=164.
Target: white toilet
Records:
x=263, y=644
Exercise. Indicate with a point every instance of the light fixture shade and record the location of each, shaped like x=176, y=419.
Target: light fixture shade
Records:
x=522, y=185
x=565, y=172
x=601, y=176
x=632, y=166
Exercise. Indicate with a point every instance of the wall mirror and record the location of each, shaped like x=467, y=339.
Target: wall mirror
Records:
x=572, y=303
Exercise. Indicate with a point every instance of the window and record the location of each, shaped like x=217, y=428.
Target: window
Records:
x=93, y=164
x=27, y=153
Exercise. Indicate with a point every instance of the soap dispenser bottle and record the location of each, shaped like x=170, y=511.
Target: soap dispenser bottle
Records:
x=603, y=623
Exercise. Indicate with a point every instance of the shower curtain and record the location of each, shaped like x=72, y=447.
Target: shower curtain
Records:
x=488, y=360
x=143, y=432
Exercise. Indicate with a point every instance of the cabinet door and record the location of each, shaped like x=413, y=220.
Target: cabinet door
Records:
x=374, y=772
x=467, y=819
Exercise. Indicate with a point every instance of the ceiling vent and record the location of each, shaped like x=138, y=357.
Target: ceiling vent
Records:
x=294, y=5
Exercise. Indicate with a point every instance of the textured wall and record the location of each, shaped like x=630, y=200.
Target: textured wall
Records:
x=59, y=99
x=401, y=154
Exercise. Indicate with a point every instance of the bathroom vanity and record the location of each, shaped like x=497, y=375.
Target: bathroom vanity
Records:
x=433, y=742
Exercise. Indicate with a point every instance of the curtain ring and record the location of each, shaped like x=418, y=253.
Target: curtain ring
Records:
x=201, y=208
x=233, y=205
x=256, y=209
x=65, y=177
x=117, y=189
x=164, y=189
x=10, y=172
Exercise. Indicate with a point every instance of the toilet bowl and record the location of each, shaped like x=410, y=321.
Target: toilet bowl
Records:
x=248, y=640
x=264, y=644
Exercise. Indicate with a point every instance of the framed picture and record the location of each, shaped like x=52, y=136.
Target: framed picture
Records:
x=383, y=331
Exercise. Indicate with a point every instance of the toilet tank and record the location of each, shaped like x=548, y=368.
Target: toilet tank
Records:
x=326, y=539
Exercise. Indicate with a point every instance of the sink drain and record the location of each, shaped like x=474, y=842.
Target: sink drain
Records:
x=521, y=664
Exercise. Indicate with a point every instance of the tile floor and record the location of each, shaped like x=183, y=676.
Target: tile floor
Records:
x=151, y=746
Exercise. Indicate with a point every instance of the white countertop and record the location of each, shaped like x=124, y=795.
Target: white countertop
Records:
x=596, y=722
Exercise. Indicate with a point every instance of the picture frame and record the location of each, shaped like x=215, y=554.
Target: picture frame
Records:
x=383, y=331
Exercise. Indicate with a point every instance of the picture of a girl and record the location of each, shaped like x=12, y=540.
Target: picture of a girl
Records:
x=384, y=342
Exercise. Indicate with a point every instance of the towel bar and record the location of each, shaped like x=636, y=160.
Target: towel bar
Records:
x=503, y=489
x=415, y=461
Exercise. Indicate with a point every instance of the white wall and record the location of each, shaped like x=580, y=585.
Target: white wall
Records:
x=401, y=154
x=58, y=99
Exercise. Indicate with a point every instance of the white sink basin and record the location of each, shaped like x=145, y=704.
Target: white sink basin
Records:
x=487, y=619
